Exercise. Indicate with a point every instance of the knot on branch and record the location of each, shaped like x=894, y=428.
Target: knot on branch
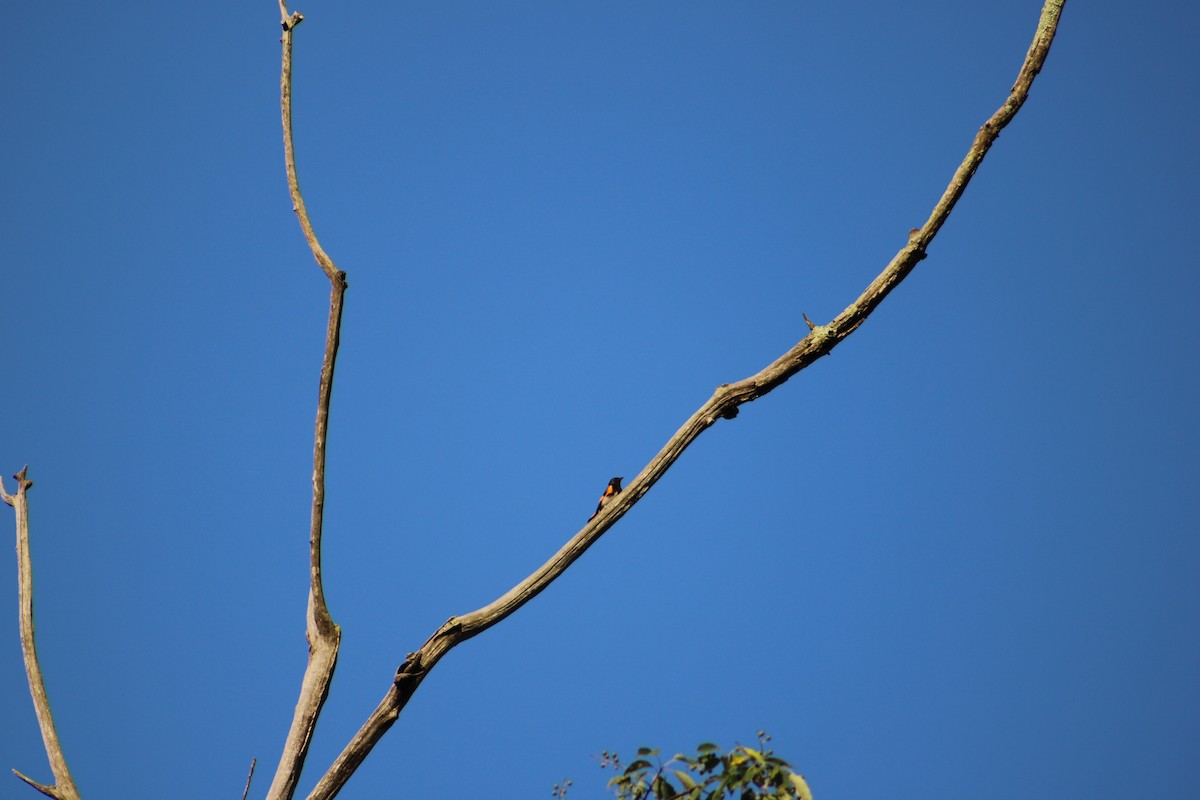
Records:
x=914, y=242
x=23, y=485
x=291, y=22
x=410, y=669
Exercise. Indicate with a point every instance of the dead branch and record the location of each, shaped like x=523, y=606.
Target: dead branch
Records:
x=722, y=405
x=64, y=786
x=249, y=777
x=324, y=636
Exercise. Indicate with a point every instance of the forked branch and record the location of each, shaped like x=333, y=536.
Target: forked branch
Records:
x=64, y=786
x=723, y=404
x=324, y=636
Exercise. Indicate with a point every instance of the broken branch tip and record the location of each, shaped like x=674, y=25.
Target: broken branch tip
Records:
x=49, y=791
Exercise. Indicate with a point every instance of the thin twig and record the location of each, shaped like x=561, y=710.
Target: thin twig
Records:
x=49, y=791
x=250, y=777
x=64, y=785
x=324, y=636
x=722, y=405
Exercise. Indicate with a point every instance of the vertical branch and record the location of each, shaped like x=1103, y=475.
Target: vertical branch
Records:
x=64, y=785
x=324, y=636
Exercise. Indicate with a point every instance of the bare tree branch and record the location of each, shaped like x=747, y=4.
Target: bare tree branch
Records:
x=250, y=777
x=722, y=405
x=64, y=785
x=324, y=636
x=49, y=791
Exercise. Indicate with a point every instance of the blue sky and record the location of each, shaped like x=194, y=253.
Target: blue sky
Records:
x=957, y=558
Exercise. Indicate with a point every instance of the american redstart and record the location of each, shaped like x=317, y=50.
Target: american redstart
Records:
x=610, y=491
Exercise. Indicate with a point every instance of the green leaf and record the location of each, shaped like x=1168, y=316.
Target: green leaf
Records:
x=741, y=773
x=800, y=786
x=685, y=780
x=663, y=789
x=757, y=756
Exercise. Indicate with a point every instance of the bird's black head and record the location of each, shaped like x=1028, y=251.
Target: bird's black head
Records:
x=616, y=483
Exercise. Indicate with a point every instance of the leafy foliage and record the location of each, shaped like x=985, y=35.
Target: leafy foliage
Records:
x=743, y=773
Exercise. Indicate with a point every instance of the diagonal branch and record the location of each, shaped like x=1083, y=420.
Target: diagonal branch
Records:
x=64, y=785
x=324, y=636
x=250, y=777
x=722, y=405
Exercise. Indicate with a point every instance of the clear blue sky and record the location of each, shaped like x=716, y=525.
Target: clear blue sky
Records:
x=958, y=558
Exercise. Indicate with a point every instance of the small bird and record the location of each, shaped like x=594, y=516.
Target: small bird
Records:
x=610, y=491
